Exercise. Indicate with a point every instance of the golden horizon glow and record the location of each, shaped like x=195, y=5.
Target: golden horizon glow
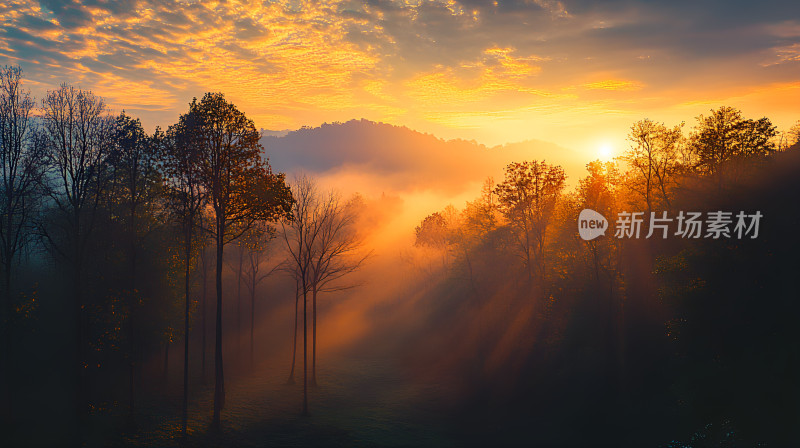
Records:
x=605, y=152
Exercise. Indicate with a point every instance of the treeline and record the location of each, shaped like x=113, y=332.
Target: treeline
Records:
x=649, y=341
x=124, y=222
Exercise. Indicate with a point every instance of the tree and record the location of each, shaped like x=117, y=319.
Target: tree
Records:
x=132, y=164
x=432, y=231
x=20, y=176
x=186, y=196
x=480, y=215
x=236, y=266
x=136, y=184
x=654, y=159
x=793, y=135
x=526, y=198
x=299, y=235
x=788, y=139
x=599, y=191
x=203, y=266
x=256, y=244
x=333, y=254
x=439, y=231
x=725, y=137
x=242, y=191
x=297, y=283
x=479, y=218
x=78, y=136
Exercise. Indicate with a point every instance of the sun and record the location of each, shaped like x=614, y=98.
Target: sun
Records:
x=605, y=151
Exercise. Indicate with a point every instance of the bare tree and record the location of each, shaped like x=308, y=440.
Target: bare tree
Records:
x=256, y=244
x=20, y=175
x=322, y=243
x=78, y=134
x=297, y=283
x=333, y=254
x=299, y=235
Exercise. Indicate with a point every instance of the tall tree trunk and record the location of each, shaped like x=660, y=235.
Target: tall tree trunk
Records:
x=239, y=307
x=252, y=318
x=80, y=398
x=166, y=362
x=132, y=323
x=314, y=336
x=8, y=409
x=596, y=260
x=8, y=350
x=185, y=410
x=219, y=381
x=294, y=340
x=528, y=249
x=468, y=259
x=204, y=329
x=131, y=378
x=305, y=350
x=131, y=394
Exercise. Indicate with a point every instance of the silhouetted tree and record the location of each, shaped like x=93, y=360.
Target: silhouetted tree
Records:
x=186, y=196
x=236, y=265
x=654, y=159
x=793, y=135
x=134, y=187
x=527, y=197
x=297, y=283
x=432, y=231
x=725, y=137
x=242, y=191
x=598, y=191
x=435, y=232
x=78, y=137
x=203, y=266
x=20, y=177
x=733, y=313
x=479, y=219
x=481, y=214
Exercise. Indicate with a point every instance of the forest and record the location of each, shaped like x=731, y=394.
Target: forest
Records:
x=165, y=288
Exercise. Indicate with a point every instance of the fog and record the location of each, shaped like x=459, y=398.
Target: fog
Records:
x=463, y=308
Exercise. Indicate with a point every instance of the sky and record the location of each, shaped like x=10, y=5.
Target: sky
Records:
x=575, y=73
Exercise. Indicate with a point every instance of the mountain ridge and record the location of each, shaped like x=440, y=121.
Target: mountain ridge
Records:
x=401, y=155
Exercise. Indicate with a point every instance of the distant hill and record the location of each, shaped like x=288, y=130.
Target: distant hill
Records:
x=403, y=159
x=267, y=132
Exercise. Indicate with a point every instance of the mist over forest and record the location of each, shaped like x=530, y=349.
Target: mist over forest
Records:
x=364, y=284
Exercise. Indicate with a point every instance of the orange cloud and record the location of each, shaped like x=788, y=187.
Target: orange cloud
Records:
x=496, y=72
x=613, y=84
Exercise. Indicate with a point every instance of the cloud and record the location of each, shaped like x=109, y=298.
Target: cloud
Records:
x=436, y=65
x=613, y=84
